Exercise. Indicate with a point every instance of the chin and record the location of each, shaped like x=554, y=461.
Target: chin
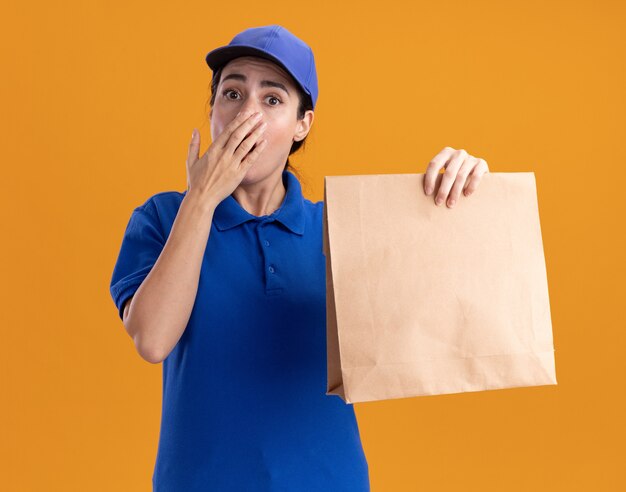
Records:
x=258, y=172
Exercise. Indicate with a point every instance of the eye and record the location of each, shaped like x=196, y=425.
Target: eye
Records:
x=225, y=93
x=274, y=97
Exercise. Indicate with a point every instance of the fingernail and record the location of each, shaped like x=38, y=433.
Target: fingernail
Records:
x=438, y=201
x=452, y=202
x=429, y=190
x=193, y=133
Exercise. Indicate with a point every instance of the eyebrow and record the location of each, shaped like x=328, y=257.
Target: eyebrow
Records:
x=264, y=83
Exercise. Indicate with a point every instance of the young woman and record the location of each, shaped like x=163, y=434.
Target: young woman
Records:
x=225, y=284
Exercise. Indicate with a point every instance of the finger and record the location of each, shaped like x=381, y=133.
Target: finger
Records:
x=251, y=158
x=222, y=138
x=192, y=153
x=437, y=162
x=461, y=180
x=243, y=133
x=249, y=142
x=194, y=147
x=240, y=132
x=452, y=168
x=479, y=171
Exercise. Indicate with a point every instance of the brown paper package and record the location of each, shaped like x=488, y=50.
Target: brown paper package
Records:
x=424, y=299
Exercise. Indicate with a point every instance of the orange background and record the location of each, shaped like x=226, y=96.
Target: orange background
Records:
x=98, y=103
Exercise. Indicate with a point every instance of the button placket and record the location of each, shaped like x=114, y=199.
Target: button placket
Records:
x=269, y=261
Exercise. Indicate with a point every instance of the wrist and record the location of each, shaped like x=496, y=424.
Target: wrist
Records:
x=202, y=202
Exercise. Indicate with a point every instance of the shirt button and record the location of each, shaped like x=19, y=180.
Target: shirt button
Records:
x=271, y=269
x=266, y=242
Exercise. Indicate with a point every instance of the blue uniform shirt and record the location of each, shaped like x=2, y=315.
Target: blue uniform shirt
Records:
x=244, y=390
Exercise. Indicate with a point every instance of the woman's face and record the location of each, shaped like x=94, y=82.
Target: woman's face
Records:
x=251, y=83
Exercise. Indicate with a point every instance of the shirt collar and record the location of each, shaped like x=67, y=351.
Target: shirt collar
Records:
x=229, y=213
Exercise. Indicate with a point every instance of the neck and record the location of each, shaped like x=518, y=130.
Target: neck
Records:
x=263, y=197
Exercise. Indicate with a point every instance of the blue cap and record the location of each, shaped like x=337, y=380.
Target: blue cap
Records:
x=276, y=44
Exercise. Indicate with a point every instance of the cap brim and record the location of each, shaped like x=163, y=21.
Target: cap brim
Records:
x=220, y=56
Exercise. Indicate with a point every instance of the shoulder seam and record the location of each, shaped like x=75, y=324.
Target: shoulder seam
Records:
x=149, y=207
x=166, y=193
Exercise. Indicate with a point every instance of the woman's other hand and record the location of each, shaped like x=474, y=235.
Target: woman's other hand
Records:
x=462, y=174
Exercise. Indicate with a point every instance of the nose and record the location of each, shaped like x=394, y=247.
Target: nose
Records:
x=250, y=107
